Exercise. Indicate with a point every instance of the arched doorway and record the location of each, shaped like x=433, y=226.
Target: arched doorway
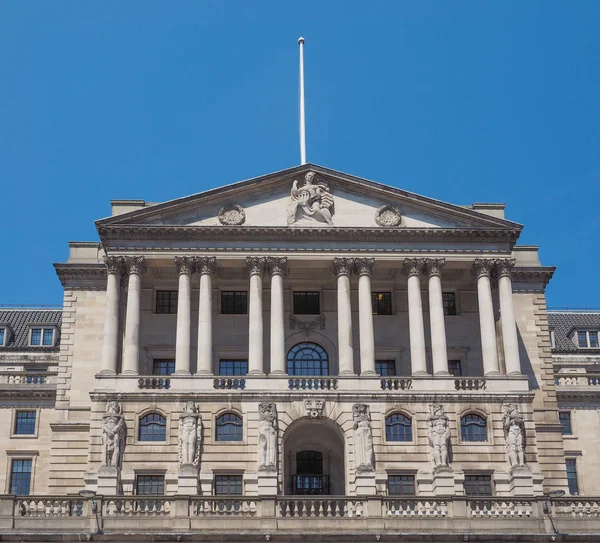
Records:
x=314, y=458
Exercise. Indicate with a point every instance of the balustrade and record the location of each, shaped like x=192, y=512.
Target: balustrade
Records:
x=128, y=507
x=154, y=382
x=500, y=508
x=415, y=508
x=396, y=384
x=470, y=384
x=319, y=508
x=27, y=378
x=208, y=507
x=313, y=383
x=48, y=507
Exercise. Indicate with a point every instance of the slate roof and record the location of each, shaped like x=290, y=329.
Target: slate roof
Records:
x=20, y=320
x=563, y=322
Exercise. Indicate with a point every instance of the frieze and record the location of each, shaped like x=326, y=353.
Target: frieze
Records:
x=307, y=327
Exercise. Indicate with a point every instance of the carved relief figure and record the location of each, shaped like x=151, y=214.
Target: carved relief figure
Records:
x=363, y=439
x=514, y=433
x=190, y=435
x=439, y=435
x=310, y=200
x=267, y=439
x=113, y=435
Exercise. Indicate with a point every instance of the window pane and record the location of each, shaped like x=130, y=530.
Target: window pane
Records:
x=478, y=485
x=398, y=428
x=163, y=367
x=2, y=335
x=166, y=301
x=582, y=339
x=229, y=427
x=48, y=336
x=153, y=427
x=25, y=423
x=572, y=476
x=20, y=477
x=593, y=339
x=449, y=299
x=36, y=336
x=473, y=428
x=233, y=367
x=454, y=368
x=306, y=303
x=307, y=359
x=385, y=367
x=150, y=485
x=382, y=303
x=565, y=421
x=228, y=485
x=234, y=302
x=401, y=485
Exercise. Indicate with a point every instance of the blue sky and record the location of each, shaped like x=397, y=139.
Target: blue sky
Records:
x=461, y=101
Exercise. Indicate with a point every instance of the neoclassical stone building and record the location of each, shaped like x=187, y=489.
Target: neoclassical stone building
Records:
x=304, y=354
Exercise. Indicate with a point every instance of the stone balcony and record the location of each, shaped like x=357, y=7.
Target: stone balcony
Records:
x=294, y=518
x=577, y=383
x=25, y=384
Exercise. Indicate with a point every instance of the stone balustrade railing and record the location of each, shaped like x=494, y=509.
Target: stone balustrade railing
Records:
x=26, y=378
x=577, y=380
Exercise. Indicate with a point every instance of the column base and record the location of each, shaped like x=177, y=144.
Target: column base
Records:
x=369, y=373
x=419, y=373
x=515, y=373
x=181, y=372
x=278, y=372
x=129, y=372
x=107, y=372
x=256, y=372
x=346, y=373
x=204, y=372
x=442, y=373
x=492, y=373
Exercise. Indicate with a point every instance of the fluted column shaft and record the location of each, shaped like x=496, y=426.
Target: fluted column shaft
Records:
x=364, y=268
x=418, y=359
x=184, y=315
x=278, y=269
x=110, y=346
x=206, y=267
x=439, y=349
x=343, y=267
x=489, y=348
x=255, y=315
x=510, y=341
x=136, y=267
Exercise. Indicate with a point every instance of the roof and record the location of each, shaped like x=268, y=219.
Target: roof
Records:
x=21, y=320
x=562, y=323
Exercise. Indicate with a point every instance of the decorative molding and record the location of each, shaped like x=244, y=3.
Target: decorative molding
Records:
x=433, y=266
x=482, y=267
x=537, y=275
x=364, y=266
x=314, y=408
x=388, y=215
x=136, y=264
x=232, y=215
x=277, y=266
x=343, y=266
x=70, y=274
x=185, y=265
x=114, y=264
x=504, y=266
x=413, y=266
x=307, y=327
x=205, y=265
x=256, y=265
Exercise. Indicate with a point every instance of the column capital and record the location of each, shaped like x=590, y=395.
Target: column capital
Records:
x=343, y=266
x=277, y=266
x=482, y=267
x=136, y=264
x=433, y=266
x=185, y=265
x=114, y=264
x=256, y=265
x=364, y=266
x=413, y=266
x=205, y=265
x=504, y=266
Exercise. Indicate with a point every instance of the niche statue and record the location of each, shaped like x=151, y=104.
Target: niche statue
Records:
x=439, y=435
x=363, y=439
x=514, y=434
x=113, y=435
x=267, y=438
x=190, y=435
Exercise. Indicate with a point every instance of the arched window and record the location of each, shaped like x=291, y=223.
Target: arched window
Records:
x=153, y=427
x=307, y=359
x=398, y=427
x=473, y=428
x=229, y=427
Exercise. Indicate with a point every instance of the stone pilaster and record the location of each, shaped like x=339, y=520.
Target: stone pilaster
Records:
x=136, y=267
x=439, y=350
x=343, y=267
x=507, y=317
x=110, y=345
x=206, y=267
x=482, y=269
x=412, y=269
x=256, y=268
x=278, y=269
x=364, y=268
x=185, y=268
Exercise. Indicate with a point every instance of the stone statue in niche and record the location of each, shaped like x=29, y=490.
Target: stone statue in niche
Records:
x=439, y=436
x=311, y=201
x=363, y=439
x=113, y=435
x=514, y=433
x=190, y=435
x=267, y=437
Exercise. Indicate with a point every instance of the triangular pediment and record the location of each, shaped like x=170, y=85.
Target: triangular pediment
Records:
x=305, y=196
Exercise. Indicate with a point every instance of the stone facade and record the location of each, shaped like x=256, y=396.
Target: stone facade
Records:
x=290, y=352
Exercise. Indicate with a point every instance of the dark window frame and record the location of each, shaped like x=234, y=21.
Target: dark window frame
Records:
x=229, y=427
x=566, y=421
x=572, y=476
x=473, y=428
x=163, y=366
x=401, y=484
x=388, y=365
x=233, y=482
x=449, y=301
x=456, y=366
x=21, y=478
x=398, y=428
x=236, y=367
x=299, y=366
x=149, y=480
x=306, y=302
x=478, y=485
x=41, y=333
x=25, y=419
x=166, y=302
x=234, y=302
x=381, y=302
x=152, y=428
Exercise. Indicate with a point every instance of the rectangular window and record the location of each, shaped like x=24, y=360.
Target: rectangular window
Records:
x=148, y=485
x=2, y=336
x=572, y=476
x=565, y=421
x=233, y=367
x=42, y=337
x=385, y=367
x=163, y=367
x=306, y=303
x=382, y=303
x=234, y=302
x=593, y=340
x=20, y=477
x=228, y=485
x=582, y=339
x=449, y=299
x=454, y=368
x=478, y=485
x=48, y=337
x=25, y=423
x=166, y=301
x=401, y=485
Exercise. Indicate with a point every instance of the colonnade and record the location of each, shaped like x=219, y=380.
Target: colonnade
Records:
x=134, y=267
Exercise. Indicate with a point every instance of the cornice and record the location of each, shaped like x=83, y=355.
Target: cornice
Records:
x=28, y=392
x=539, y=276
x=78, y=273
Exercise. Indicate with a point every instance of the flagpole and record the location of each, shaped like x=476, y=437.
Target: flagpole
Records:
x=302, y=123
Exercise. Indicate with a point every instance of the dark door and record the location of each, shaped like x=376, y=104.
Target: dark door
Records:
x=309, y=478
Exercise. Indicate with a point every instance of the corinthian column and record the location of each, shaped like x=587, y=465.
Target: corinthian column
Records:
x=278, y=269
x=343, y=267
x=110, y=346
x=364, y=268
x=185, y=268
x=136, y=266
x=418, y=360
x=205, y=266
x=439, y=351
x=489, y=349
x=256, y=268
x=507, y=317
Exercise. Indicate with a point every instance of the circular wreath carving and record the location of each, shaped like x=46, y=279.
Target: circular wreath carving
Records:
x=388, y=216
x=232, y=214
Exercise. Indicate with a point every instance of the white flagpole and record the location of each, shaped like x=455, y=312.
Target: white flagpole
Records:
x=302, y=125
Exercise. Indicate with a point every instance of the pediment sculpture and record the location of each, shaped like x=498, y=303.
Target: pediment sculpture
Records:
x=311, y=201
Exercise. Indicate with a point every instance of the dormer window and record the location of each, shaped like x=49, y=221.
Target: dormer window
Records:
x=587, y=339
x=41, y=337
x=3, y=336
